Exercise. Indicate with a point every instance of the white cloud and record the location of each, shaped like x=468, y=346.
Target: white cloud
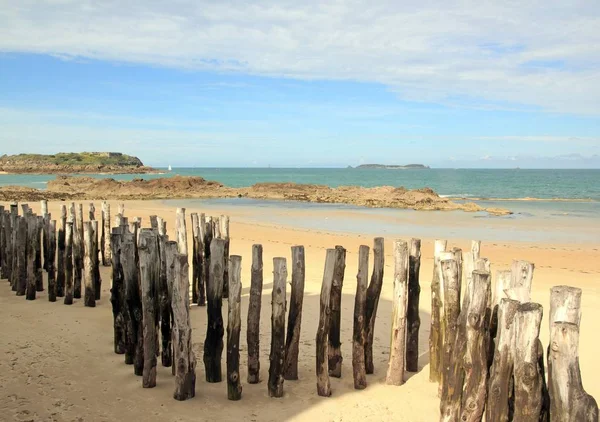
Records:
x=485, y=54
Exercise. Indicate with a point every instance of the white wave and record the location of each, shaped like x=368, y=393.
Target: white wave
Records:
x=457, y=195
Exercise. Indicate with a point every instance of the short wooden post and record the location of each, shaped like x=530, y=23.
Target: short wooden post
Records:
x=254, y=306
x=164, y=299
x=88, y=273
x=203, y=264
x=122, y=209
x=106, y=235
x=568, y=400
x=68, y=263
x=373, y=293
x=335, y=306
x=358, y=330
x=32, y=239
x=234, y=322
x=117, y=293
x=565, y=305
x=475, y=359
x=323, y=383
x=195, y=266
x=276, y=357
x=213, y=345
x=181, y=231
x=396, y=365
x=185, y=361
x=60, y=255
x=92, y=212
x=521, y=279
x=51, y=257
x=292, y=341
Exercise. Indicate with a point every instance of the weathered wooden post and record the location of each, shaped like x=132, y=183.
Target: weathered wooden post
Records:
x=435, y=335
x=195, y=263
x=122, y=209
x=208, y=236
x=373, y=293
x=234, y=322
x=51, y=256
x=32, y=239
x=413, y=320
x=521, y=278
x=396, y=365
x=213, y=345
x=46, y=221
x=335, y=306
x=202, y=261
x=224, y=231
x=475, y=358
x=117, y=293
x=360, y=318
x=106, y=236
x=171, y=252
x=78, y=251
x=292, y=341
x=323, y=383
x=88, y=273
x=500, y=400
x=164, y=299
x=15, y=268
x=185, y=361
x=60, y=256
x=180, y=229
x=5, y=233
x=68, y=263
x=565, y=305
x=38, y=264
x=92, y=212
x=134, y=353
x=149, y=273
x=21, y=239
x=502, y=283
x=96, y=261
x=254, y=306
x=276, y=357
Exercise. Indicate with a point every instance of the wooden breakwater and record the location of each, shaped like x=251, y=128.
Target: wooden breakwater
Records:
x=485, y=351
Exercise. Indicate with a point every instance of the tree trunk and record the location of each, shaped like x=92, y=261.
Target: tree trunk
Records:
x=292, y=340
x=68, y=263
x=88, y=273
x=185, y=361
x=276, y=357
x=373, y=293
x=254, y=305
x=106, y=234
x=323, y=383
x=435, y=335
x=213, y=345
x=397, y=361
x=117, y=291
x=51, y=257
x=234, y=322
x=360, y=317
x=335, y=306
x=413, y=319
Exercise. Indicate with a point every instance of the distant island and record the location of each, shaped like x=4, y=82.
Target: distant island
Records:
x=73, y=162
x=391, y=166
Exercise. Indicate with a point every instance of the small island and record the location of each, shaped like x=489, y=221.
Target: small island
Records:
x=73, y=162
x=392, y=166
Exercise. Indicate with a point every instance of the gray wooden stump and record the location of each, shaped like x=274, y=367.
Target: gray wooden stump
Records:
x=373, y=293
x=51, y=256
x=60, y=255
x=89, y=297
x=253, y=324
x=92, y=212
x=207, y=239
x=38, y=264
x=358, y=330
x=292, y=340
x=164, y=299
x=335, y=306
x=234, y=322
x=171, y=252
x=321, y=341
x=276, y=357
x=565, y=305
x=106, y=235
x=134, y=346
x=32, y=239
x=117, y=293
x=68, y=263
x=149, y=273
x=77, y=251
x=195, y=261
x=15, y=267
x=181, y=231
x=435, y=335
x=184, y=359
x=224, y=231
x=96, y=261
x=413, y=320
x=397, y=360
x=213, y=345
x=203, y=263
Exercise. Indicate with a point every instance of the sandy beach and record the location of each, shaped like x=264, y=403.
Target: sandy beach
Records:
x=58, y=362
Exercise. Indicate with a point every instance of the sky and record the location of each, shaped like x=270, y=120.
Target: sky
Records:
x=304, y=84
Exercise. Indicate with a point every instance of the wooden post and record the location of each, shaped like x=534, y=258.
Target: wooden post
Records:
x=323, y=383
x=276, y=357
x=154, y=223
x=208, y=236
x=203, y=264
x=4, y=244
x=46, y=221
x=88, y=273
x=117, y=293
x=96, y=261
x=435, y=335
x=78, y=251
x=164, y=299
x=185, y=361
x=528, y=379
x=213, y=345
x=180, y=229
x=335, y=306
x=396, y=365
x=500, y=400
x=413, y=319
x=134, y=353
x=32, y=239
x=15, y=267
x=502, y=283
x=358, y=333
x=171, y=252
x=234, y=322
x=224, y=231
x=254, y=305
x=521, y=278
x=195, y=267
x=149, y=273
x=106, y=235
x=51, y=256
x=565, y=305
x=292, y=341
x=475, y=358
x=373, y=293
x=92, y=212
x=68, y=263
x=21, y=240
x=122, y=209
x=60, y=256
x=38, y=264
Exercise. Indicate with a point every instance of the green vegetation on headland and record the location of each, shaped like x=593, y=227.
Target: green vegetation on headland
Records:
x=392, y=166
x=72, y=162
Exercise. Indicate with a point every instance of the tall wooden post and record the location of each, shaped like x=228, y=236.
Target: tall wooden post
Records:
x=106, y=236
x=60, y=258
x=335, y=306
x=207, y=240
x=254, y=306
x=413, y=320
x=32, y=239
x=171, y=252
x=149, y=273
x=3, y=265
x=292, y=341
x=5, y=247
x=203, y=262
x=78, y=251
x=373, y=293
x=46, y=221
x=181, y=231
x=213, y=345
x=134, y=351
x=117, y=293
x=360, y=318
x=234, y=322
x=68, y=263
x=195, y=266
x=185, y=361
x=39, y=281
x=88, y=273
x=164, y=300
x=15, y=243
x=276, y=357
x=435, y=335
x=51, y=257
x=323, y=383
x=224, y=231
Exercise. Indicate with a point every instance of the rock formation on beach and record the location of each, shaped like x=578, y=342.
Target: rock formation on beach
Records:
x=64, y=163
x=176, y=187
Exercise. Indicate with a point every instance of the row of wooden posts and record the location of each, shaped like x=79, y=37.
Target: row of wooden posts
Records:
x=484, y=347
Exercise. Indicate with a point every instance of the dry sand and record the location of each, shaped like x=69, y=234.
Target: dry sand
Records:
x=57, y=362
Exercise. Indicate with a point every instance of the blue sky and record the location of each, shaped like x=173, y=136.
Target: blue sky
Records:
x=317, y=84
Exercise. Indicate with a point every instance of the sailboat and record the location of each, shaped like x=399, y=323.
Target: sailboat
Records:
x=169, y=167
